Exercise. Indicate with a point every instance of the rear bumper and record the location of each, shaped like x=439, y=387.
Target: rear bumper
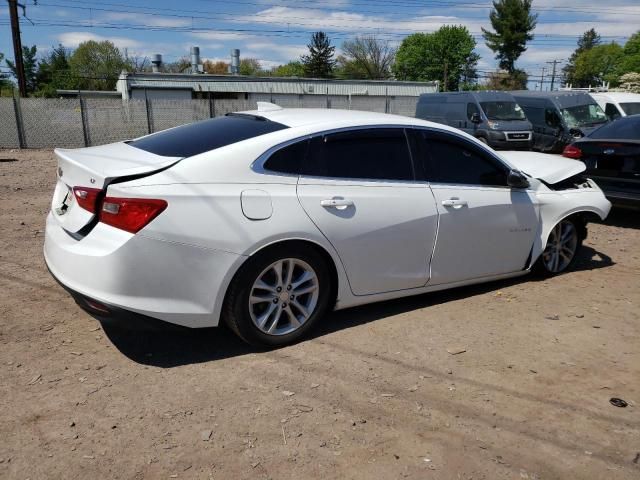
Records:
x=177, y=283
x=113, y=316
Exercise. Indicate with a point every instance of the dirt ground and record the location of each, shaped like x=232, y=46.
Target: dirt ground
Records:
x=374, y=394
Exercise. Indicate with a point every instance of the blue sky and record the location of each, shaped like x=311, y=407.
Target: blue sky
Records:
x=276, y=31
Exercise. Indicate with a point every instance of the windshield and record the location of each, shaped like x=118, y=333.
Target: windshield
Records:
x=502, y=111
x=632, y=108
x=583, y=115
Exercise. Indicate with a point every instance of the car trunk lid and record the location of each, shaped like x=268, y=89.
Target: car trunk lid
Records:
x=90, y=171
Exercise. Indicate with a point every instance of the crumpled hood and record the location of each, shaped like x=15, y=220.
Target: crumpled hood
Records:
x=548, y=168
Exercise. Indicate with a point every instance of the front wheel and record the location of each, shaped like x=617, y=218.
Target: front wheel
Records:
x=562, y=247
x=277, y=295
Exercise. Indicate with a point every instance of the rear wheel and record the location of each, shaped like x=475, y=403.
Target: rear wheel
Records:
x=564, y=241
x=278, y=295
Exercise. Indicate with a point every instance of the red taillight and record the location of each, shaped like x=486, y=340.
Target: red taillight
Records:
x=130, y=214
x=87, y=197
x=571, y=151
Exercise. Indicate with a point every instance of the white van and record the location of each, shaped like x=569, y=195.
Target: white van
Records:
x=618, y=104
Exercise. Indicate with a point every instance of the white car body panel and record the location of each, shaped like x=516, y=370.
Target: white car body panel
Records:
x=461, y=255
x=380, y=214
x=179, y=266
x=616, y=98
x=549, y=168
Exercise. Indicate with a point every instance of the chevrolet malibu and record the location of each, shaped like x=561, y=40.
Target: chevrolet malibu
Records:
x=267, y=220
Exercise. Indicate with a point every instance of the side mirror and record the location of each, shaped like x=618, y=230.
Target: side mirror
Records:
x=475, y=118
x=517, y=179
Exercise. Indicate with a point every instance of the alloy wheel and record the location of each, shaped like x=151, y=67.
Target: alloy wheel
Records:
x=284, y=296
x=561, y=247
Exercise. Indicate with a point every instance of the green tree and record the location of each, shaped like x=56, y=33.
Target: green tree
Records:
x=30, y=63
x=291, y=69
x=513, y=23
x=5, y=84
x=320, y=62
x=446, y=55
x=630, y=62
x=250, y=67
x=97, y=65
x=54, y=72
x=366, y=57
x=589, y=39
x=598, y=64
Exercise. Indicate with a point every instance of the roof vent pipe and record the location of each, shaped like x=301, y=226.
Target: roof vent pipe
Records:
x=234, y=66
x=156, y=63
x=195, y=59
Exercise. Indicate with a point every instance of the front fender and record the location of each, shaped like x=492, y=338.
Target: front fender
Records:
x=555, y=206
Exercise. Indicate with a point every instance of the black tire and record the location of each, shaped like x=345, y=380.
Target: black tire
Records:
x=542, y=267
x=483, y=140
x=236, y=313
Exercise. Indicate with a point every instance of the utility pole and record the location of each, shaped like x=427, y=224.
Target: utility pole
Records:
x=17, y=46
x=445, y=76
x=553, y=74
x=542, y=78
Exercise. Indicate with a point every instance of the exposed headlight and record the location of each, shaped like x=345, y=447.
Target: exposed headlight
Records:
x=493, y=125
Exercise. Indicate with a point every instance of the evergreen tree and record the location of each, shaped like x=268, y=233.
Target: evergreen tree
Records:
x=513, y=23
x=589, y=39
x=30, y=64
x=319, y=63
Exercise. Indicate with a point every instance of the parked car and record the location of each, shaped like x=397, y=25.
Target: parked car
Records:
x=612, y=157
x=269, y=219
x=558, y=118
x=493, y=118
x=618, y=104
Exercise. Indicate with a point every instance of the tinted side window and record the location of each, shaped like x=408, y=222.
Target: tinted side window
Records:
x=611, y=111
x=551, y=118
x=377, y=154
x=288, y=159
x=534, y=114
x=447, y=159
x=471, y=109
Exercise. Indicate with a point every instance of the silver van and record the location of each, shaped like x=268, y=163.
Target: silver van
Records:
x=494, y=118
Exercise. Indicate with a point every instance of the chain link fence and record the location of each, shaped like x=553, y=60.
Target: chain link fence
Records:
x=84, y=122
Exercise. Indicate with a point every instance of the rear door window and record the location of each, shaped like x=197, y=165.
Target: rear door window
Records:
x=288, y=159
x=207, y=135
x=368, y=154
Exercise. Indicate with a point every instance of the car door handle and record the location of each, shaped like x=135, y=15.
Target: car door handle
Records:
x=454, y=202
x=337, y=202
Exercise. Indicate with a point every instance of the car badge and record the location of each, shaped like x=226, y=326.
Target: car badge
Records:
x=609, y=151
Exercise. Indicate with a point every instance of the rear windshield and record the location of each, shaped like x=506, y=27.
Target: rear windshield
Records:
x=200, y=137
x=625, y=128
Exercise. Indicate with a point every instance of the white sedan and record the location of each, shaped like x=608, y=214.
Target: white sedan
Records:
x=269, y=219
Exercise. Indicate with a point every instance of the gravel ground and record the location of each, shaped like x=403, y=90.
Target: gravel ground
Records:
x=374, y=394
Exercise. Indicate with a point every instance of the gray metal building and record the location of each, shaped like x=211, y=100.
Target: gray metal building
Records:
x=284, y=91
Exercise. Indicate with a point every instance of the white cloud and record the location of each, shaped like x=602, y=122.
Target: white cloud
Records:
x=73, y=39
x=288, y=52
x=221, y=35
x=152, y=20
